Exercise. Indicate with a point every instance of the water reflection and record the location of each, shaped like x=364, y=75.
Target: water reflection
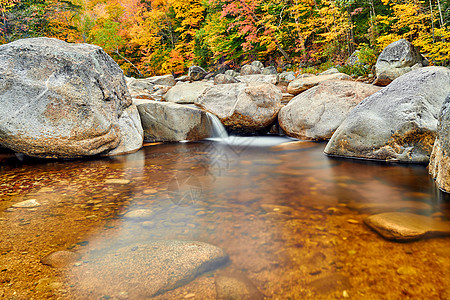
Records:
x=289, y=217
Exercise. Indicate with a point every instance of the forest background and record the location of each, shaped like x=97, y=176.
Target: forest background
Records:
x=154, y=37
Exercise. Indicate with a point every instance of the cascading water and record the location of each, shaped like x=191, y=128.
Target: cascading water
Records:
x=218, y=131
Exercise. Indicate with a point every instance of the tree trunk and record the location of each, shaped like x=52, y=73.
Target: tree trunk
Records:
x=125, y=59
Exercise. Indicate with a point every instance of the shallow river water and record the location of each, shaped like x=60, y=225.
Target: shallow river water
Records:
x=290, y=219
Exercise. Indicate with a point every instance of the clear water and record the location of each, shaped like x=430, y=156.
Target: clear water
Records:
x=290, y=218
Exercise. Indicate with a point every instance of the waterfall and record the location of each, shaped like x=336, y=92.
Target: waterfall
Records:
x=217, y=128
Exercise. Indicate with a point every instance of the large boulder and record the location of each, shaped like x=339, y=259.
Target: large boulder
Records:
x=302, y=84
x=316, y=113
x=186, y=93
x=145, y=269
x=243, y=108
x=397, y=58
x=64, y=100
x=439, y=166
x=398, y=123
x=171, y=122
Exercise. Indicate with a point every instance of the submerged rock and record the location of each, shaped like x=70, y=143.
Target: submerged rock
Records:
x=31, y=203
x=439, y=166
x=64, y=100
x=236, y=286
x=187, y=93
x=150, y=268
x=60, y=259
x=316, y=113
x=171, y=122
x=400, y=226
x=241, y=107
x=303, y=83
x=398, y=123
x=397, y=59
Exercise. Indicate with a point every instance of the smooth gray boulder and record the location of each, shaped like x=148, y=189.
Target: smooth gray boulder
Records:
x=316, y=113
x=307, y=81
x=61, y=100
x=224, y=79
x=330, y=71
x=232, y=73
x=271, y=70
x=171, y=122
x=439, y=166
x=286, y=77
x=241, y=107
x=145, y=269
x=397, y=59
x=398, y=123
x=250, y=70
x=186, y=92
x=196, y=73
x=257, y=78
x=257, y=64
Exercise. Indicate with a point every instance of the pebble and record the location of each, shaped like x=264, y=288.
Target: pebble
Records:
x=117, y=181
x=27, y=204
x=406, y=270
x=139, y=214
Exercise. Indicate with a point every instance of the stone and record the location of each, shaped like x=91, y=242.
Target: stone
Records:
x=172, y=122
x=271, y=70
x=139, y=214
x=397, y=59
x=250, y=70
x=236, y=286
x=257, y=64
x=167, y=80
x=407, y=271
x=232, y=73
x=183, y=78
x=60, y=259
x=241, y=107
x=27, y=204
x=303, y=83
x=316, y=113
x=400, y=226
x=62, y=100
x=257, y=78
x=330, y=283
x=353, y=59
x=196, y=73
x=398, y=123
x=187, y=93
x=150, y=268
x=286, y=77
x=224, y=79
x=117, y=181
x=132, y=132
x=330, y=71
x=439, y=166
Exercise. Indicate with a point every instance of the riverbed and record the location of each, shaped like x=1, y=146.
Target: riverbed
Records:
x=289, y=217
